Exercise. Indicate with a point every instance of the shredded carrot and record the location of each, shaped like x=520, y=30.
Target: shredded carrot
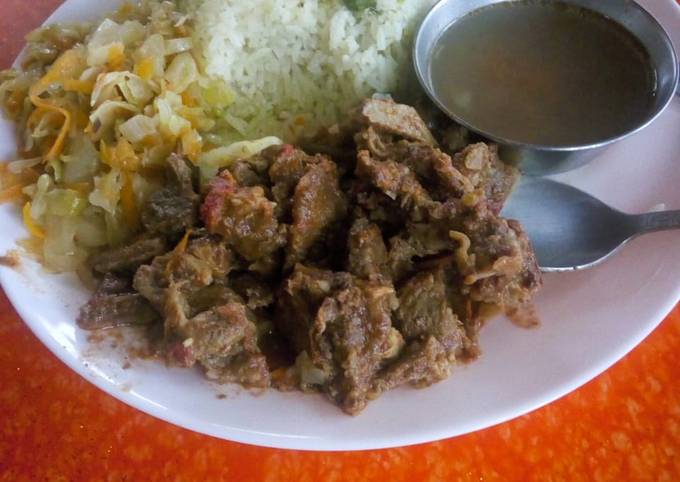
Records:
x=30, y=223
x=36, y=116
x=58, y=145
x=179, y=249
x=184, y=242
x=145, y=68
x=11, y=193
x=67, y=66
x=81, y=86
x=123, y=156
x=192, y=145
x=188, y=99
x=80, y=119
x=116, y=56
x=128, y=201
x=82, y=188
x=105, y=153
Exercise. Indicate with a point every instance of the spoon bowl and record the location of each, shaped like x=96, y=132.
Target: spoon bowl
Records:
x=570, y=229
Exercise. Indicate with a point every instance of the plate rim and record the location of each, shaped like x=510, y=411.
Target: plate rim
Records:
x=306, y=443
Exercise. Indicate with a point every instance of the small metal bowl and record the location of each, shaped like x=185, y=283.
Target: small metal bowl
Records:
x=536, y=159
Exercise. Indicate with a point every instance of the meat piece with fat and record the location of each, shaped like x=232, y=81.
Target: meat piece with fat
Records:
x=367, y=253
x=433, y=168
x=500, y=267
x=396, y=181
x=115, y=304
x=344, y=327
x=288, y=166
x=108, y=311
x=424, y=311
x=201, y=262
x=224, y=342
x=480, y=164
x=318, y=203
x=243, y=216
x=397, y=119
x=421, y=363
x=174, y=208
x=129, y=257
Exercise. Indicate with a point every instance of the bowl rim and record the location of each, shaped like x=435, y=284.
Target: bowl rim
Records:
x=421, y=70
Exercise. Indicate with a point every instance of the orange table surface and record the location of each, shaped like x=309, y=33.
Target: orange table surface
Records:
x=55, y=426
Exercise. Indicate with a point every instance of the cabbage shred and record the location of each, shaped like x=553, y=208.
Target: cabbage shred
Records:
x=99, y=107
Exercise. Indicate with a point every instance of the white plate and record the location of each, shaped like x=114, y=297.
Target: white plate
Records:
x=590, y=320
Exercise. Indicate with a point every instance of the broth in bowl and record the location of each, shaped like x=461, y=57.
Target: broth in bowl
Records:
x=543, y=73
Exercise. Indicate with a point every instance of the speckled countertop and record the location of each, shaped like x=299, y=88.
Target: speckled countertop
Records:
x=55, y=426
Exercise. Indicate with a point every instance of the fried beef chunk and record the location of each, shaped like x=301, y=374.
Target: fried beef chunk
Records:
x=223, y=340
x=128, y=258
x=114, y=303
x=243, y=216
x=425, y=311
x=288, y=166
x=343, y=325
x=373, y=262
x=205, y=322
x=401, y=120
x=317, y=204
x=367, y=257
x=200, y=263
x=396, y=181
x=481, y=165
x=173, y=209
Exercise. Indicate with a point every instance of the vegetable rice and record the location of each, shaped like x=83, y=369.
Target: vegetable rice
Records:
x=295, y=66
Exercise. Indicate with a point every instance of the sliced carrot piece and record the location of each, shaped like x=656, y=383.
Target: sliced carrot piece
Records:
x=68, y=66
x=125, y=157
x=116, y=56
x=145, y=68
x=188, y=99
x=83, y=188
x=58, y=145
x=30, y=223
x=105, y=153
x=179, y=249
x=80, y=86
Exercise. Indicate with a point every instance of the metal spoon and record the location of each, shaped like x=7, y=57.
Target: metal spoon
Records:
x=570, y=229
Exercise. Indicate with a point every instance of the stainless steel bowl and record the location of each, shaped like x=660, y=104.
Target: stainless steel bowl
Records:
x=545, y=159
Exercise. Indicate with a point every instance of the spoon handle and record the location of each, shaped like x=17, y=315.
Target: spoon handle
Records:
x=657, y=221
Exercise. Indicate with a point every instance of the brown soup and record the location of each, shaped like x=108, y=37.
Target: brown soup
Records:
x=543, y=73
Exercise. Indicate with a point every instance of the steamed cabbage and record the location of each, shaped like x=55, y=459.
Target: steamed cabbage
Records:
x=99, y=109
